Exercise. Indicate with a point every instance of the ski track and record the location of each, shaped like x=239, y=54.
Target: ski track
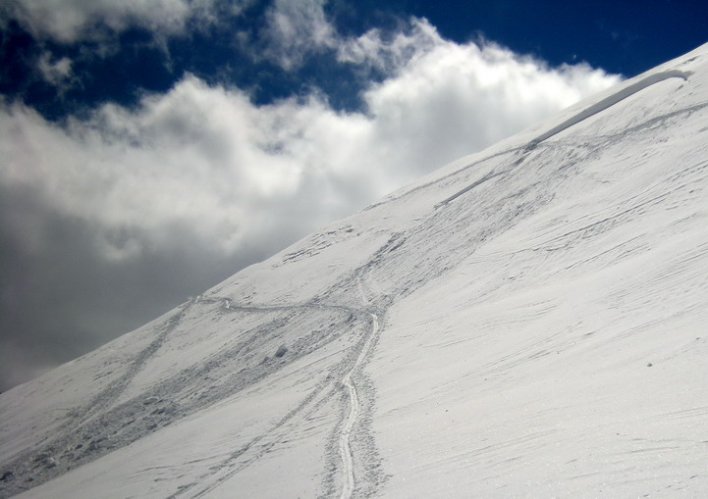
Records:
x=344, y=428
x=114, y=390
x=348, y=479
x=77, y=425
x=263, y=443
x=539, y=141
x=228, y=468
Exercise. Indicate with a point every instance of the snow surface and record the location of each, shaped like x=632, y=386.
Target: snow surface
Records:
x=529, y=321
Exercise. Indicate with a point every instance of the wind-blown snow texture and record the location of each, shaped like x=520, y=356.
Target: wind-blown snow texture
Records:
x=529, y=321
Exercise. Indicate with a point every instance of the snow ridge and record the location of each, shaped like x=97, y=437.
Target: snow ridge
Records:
x=610, y=101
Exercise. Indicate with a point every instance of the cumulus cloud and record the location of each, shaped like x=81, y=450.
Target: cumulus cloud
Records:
x=295, y=29
x=69, y=21
x=206, y=157
x=389, y=51
x=133, y=209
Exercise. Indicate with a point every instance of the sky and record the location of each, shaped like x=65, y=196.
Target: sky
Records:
x=150, y=149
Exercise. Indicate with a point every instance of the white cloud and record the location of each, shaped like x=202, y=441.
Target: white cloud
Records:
x=294, y=29
x=392, y=50
x=68, y=21
x=208, y=159
x=56, y=71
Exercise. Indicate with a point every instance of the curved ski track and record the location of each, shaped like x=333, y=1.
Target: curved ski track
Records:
x=263, y=443
x=340, y=378
x=345, y=450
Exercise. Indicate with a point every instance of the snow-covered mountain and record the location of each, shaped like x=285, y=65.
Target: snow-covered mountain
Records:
x=529, y=321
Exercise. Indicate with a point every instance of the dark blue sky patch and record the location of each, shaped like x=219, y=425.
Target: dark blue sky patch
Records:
x=18, y=53
x=129, y=67
x=620, y=37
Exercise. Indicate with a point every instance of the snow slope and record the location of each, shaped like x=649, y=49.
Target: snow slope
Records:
x=529, y=321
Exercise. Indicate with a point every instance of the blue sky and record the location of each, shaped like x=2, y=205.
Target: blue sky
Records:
x=620, y=37
x=152, y=148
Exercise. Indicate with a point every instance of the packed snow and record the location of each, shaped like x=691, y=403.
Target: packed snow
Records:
x=529, y=321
